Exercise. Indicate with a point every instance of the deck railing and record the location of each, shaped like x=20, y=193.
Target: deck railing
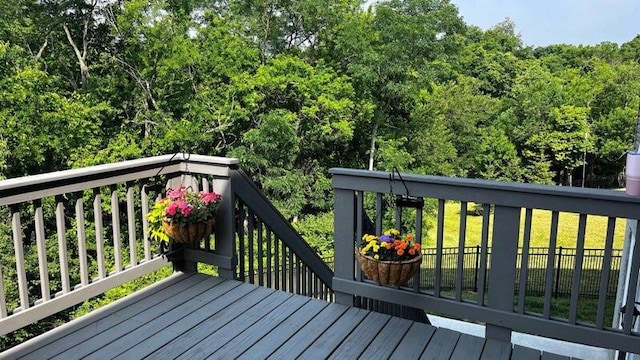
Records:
x=84, y=232
x=507, y=216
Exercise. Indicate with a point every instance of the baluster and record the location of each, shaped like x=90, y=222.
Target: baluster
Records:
x=359, y=230
x=462, y=235
x=42, y=251
x=546, y=309
x=418, y=240
x=144, y=200
x=577, y=270
x=291, y=274
x=62, y=245
x=241, y=240
x=251, y=245
x=439, y=244
x=206, y=188
x=276, y=258
x=131, y=226
x=484, y=252
x=82, y=241
x=379, y=213
x=205, y=185
x=632, y=282
x=606, y=273
x=260, y=254
x=299, y=276
x=97, y=213
x=23, y=287
x=269, y=259
x=115, y=224
x=3, y=300
x=524, y=263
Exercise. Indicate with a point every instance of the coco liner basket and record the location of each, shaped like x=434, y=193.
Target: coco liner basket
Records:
x=392, y=273
x=188, y=233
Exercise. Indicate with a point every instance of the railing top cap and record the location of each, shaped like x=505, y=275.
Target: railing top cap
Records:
x=605, y=194
x=123, y=165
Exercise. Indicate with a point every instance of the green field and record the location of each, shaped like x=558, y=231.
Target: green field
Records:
x=540, y=229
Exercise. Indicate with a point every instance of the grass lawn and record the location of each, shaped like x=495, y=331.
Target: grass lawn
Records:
x=540, y=229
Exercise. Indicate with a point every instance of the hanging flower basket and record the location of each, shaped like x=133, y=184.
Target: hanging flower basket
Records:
x=389, y=273
x=188, y=233
x=183, y=216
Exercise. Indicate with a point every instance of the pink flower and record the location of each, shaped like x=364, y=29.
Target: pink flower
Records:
x=171, y=209
x=210, y=197
x=185, y=209
x=175, y=194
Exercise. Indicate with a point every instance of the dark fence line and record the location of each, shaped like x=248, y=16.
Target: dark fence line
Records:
x=563, y=270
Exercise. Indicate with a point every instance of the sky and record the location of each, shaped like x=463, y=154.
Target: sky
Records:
x=545, y=22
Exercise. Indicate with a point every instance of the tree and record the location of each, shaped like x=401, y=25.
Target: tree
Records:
x=298, y=123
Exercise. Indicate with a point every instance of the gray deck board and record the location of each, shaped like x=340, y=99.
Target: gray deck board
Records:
x=121, y=329
x=232, y=329
x=330, y=339
x=551, y=356
x=468, y=347
x=359, y=339
x=199, y=316
x=145, y=328
x=525, y=353
x=184, y=341
x=88, y=326
x=310, y=332
x=392, y=333
x=441, y=345
x=256, y=331
x=414, y=342
x=186, y=323
x=496, y=350
x=264, y=347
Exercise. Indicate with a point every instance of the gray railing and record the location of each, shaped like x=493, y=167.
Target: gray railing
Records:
x=270, y=252
x=564, y=258
x=362, y=194
x=94, y=221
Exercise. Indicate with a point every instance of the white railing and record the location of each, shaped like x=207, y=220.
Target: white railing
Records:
x=96, y=257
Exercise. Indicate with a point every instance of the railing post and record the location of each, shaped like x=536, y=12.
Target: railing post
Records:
x=344, y=212
x=506, y=228
x=225, y=229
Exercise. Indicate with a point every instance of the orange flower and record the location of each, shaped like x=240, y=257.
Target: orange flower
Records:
x=416, y=246
x=412, y=251
x=405, y=245
x=400, y=252
x=409, y=237
x=387, y=245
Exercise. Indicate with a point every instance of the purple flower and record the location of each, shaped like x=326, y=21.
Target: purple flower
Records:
x=386, y=238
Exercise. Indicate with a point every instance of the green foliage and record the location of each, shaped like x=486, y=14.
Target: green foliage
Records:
x=317, y=230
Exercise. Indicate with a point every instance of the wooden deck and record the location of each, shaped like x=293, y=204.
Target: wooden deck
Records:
x=195, y=316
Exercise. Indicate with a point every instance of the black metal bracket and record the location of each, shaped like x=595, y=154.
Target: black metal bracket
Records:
x=405, y=201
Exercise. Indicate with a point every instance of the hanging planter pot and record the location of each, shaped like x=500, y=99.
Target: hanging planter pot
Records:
x=188, y=233
x=632, y=173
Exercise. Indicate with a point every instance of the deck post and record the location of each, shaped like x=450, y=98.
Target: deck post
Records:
x=344, y=216
x=506, y=228
x=225, y=228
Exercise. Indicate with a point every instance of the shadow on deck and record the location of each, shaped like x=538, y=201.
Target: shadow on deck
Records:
x=196, y=316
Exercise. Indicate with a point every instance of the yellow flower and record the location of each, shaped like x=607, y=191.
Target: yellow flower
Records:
x=376, y=256
x=392, y=232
